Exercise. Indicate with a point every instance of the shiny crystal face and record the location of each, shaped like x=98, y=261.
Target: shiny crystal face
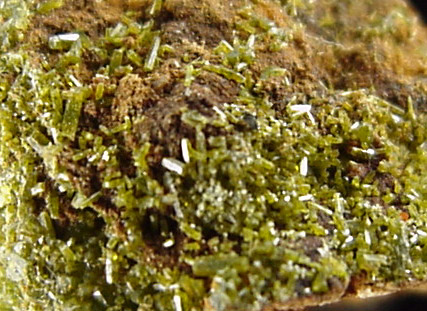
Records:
x=209, y=155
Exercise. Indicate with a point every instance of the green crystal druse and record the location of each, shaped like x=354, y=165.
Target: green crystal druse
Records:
x=210, y=155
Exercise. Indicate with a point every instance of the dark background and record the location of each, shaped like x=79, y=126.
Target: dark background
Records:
x=405, y=301
x=421, y=5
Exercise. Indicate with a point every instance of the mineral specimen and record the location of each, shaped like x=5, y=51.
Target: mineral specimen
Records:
x=185, y=155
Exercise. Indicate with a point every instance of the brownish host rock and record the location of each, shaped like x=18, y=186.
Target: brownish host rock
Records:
x=184, y=155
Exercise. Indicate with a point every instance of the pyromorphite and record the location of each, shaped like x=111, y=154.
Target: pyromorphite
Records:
x=210, y=155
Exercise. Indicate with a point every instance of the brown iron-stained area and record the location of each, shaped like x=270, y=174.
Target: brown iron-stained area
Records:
x=339, y=46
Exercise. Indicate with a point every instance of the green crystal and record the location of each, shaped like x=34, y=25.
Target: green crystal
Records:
x=155, y=159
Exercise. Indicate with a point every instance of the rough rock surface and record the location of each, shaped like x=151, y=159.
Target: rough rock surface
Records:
x=210, y=155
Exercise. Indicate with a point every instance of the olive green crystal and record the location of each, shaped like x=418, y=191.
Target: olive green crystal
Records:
x=210, y=155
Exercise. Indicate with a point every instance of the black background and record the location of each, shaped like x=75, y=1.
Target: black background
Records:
x=406, y=301
x=421, y=5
